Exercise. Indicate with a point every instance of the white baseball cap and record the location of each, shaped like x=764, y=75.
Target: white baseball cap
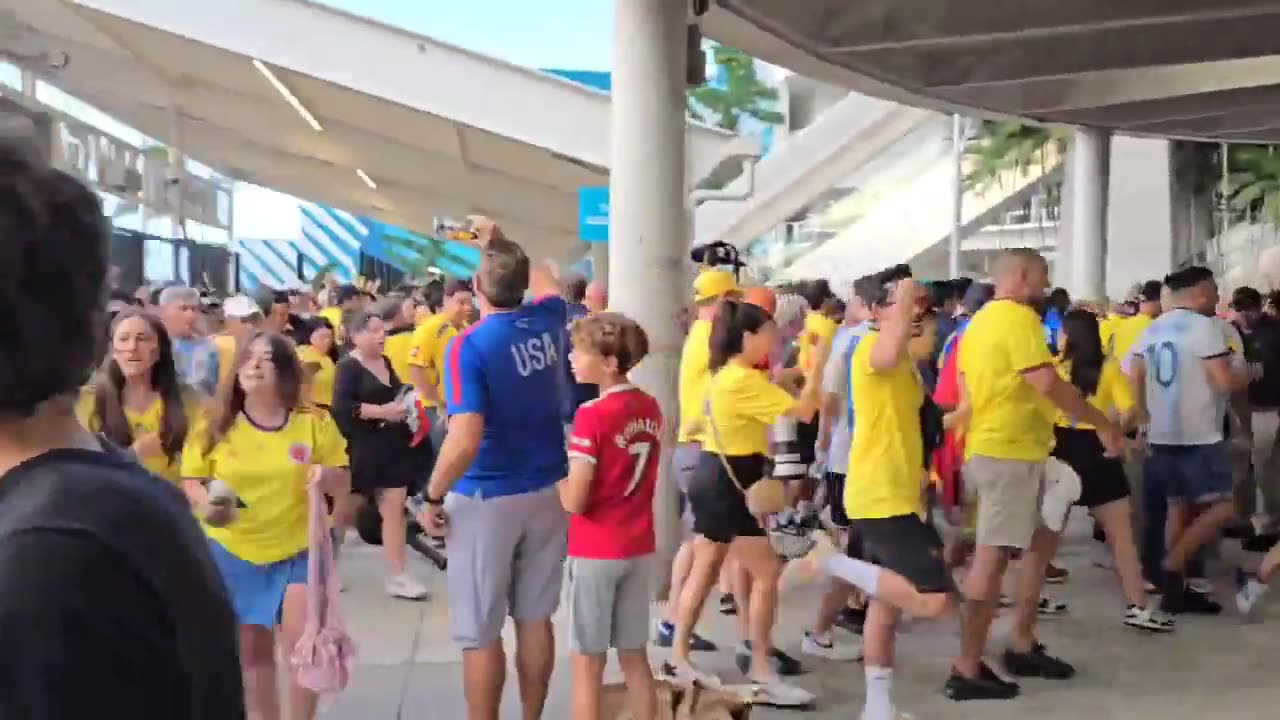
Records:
x=240, y=307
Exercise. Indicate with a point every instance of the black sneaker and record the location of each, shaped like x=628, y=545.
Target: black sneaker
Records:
x=1198, y=603
x=852, y=619
x=728, y=606
x=779, y=662
x=987, y=686
x=1173, y=597
x=1037, y=663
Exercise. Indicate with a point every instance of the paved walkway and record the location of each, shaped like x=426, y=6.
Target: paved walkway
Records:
x=1211, y=667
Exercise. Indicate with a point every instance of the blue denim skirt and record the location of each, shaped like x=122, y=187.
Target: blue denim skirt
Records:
x=257, y=591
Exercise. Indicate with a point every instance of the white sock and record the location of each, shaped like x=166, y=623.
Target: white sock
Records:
x=879, y=705
x=858, y=573
x=1255, y=588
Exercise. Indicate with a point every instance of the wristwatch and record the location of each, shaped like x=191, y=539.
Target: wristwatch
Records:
x=426, y=497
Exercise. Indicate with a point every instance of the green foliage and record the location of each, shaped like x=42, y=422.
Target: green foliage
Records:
x=743, y=94
x=1003, y=146
x=1253, y=180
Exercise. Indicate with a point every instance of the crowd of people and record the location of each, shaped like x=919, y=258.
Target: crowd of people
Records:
x=911, y=440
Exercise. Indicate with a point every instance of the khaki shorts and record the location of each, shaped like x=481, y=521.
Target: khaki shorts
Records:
x=1009, y=493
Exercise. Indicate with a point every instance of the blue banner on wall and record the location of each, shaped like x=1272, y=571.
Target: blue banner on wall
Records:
x=593, y=214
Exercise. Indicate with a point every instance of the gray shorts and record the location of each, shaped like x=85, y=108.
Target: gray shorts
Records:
x=1009, y=493
x=609, y=604
x=506, y=557
x=684, y=460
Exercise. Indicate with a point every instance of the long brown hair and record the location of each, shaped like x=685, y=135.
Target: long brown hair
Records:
x=108, y=392
x=229, y=403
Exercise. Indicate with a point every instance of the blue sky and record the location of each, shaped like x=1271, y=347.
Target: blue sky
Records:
x=571, y=34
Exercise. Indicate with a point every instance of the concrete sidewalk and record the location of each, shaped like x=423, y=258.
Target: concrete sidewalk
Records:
x=1209, y=668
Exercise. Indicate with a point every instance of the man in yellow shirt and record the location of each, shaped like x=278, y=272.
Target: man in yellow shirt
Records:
x=1008, y=376
x=1125, y=332
x=432, y=336
x=884, y=490
x=709, y=288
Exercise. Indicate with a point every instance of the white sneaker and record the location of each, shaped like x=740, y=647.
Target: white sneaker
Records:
x=406, y=588
x=826, y=647
x=1048, y=607
x=1148, y=619
x=1247, y=597
x=773, y=691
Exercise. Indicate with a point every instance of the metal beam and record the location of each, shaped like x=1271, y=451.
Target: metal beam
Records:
x=1020, y=59
x=1099, y=89
x=1062, y=19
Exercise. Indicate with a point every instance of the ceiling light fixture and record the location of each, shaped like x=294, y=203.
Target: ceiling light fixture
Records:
x=288, y=96
x=367, y=180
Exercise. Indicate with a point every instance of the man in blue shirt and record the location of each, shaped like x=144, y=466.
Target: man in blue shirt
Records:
x=194, y=356
x=493, y=485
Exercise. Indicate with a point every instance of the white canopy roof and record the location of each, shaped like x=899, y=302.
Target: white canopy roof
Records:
x=305, y=99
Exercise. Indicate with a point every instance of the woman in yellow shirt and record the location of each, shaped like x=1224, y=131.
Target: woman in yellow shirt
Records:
x=1104, y=487
x=742, y=403
x=136, y=399
x=264, y=447
x=319, y=358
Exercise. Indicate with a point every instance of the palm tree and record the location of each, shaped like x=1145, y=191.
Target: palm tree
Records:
x=1003, y=146
x=1254, y=180
x=740, y=93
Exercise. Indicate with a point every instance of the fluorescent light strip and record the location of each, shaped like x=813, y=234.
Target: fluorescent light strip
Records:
x=367, y=180
x=288, y=96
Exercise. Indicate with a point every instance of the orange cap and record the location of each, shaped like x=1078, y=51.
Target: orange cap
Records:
x=762, y=297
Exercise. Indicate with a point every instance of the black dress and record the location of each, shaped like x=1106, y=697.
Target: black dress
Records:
x=379, y=451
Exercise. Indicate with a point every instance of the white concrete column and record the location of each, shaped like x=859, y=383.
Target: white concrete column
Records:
x=647, y=226
x=1089, y=171
x=177, y=172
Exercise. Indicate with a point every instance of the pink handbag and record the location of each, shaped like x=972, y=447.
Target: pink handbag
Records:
x=323, y=656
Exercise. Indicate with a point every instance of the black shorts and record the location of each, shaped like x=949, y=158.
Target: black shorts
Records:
x=905, y=544
x=807, y=440
x=719, y=508
x=835, y=499
x=1102, y=479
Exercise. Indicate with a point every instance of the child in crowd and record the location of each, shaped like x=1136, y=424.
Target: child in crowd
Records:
x=613, y=468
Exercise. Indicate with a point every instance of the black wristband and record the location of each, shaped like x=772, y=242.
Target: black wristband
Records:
x=426, y=497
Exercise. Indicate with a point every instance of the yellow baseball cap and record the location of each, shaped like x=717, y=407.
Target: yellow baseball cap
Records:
x=713, y=284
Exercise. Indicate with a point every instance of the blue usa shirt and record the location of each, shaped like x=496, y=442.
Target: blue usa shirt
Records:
x=508, y=367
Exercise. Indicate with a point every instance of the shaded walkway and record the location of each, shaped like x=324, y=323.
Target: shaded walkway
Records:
x=1211, y=667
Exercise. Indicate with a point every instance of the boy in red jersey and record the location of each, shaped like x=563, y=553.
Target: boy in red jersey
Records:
x=613, y=468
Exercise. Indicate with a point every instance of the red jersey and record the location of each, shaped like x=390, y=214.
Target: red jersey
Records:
x=619, y=433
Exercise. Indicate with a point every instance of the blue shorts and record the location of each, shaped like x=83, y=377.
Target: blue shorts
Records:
x=1199, y=474
x=257, y=591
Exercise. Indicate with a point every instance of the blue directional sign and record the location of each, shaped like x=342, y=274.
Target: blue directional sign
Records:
x=593, y=214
